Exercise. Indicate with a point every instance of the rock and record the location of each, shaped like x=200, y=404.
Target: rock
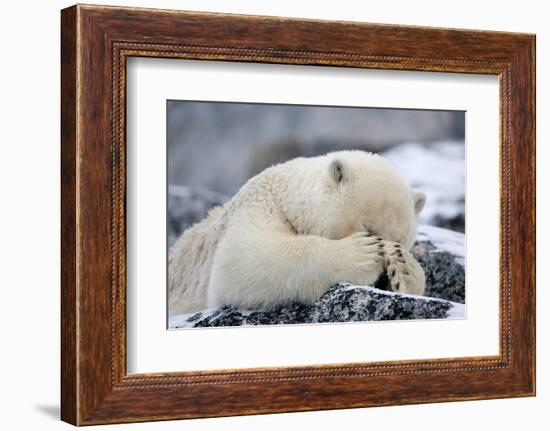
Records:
x=440, y=252
x=343, y=302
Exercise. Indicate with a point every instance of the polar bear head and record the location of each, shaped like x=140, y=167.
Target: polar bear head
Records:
x=358, y=191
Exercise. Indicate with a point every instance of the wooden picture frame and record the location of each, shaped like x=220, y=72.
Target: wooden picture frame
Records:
x=95, y=43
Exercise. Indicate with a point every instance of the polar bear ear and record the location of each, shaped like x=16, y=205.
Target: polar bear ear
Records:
x=419, y=199
x=338, y=171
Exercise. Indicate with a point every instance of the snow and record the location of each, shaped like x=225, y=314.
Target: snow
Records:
x=458, y=311
x=438, y=171
x=444, y=239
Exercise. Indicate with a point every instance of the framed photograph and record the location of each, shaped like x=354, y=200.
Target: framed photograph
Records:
x=322, y=214
x=361, y=205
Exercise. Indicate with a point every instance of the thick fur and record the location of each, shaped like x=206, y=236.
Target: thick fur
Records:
x=297, y=228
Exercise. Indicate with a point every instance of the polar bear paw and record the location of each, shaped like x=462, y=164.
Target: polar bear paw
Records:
x=404, y=273
x=361, y=258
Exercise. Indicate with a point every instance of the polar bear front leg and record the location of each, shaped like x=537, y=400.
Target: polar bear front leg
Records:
x=404, y=272
x=261, y=268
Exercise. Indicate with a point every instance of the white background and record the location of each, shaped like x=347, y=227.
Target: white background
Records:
x=151, y=348
x=29, y=232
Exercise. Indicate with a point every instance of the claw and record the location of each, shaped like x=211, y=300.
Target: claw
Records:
x=382, y=283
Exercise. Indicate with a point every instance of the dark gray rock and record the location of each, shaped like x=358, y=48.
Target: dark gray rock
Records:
x=444, y=276
x=440, y=253
x=341, y=303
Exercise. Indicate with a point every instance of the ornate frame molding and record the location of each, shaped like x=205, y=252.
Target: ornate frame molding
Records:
x=96, y=41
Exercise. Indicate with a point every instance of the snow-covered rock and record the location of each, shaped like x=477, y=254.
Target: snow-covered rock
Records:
x=343, y=302
x=439, y=251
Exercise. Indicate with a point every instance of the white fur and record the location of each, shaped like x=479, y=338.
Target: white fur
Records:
x=296, y=229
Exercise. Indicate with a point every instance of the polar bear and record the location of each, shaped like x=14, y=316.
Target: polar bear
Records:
x=296, y=229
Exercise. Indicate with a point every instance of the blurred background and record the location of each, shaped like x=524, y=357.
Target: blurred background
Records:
x=215, y=147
